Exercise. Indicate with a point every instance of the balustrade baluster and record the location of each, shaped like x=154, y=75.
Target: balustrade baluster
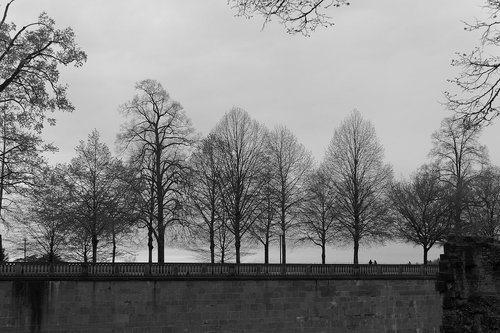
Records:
x=100, y=270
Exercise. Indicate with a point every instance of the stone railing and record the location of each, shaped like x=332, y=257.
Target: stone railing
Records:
x=203, y=271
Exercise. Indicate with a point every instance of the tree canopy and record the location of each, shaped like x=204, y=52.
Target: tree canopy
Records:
x=30, y=57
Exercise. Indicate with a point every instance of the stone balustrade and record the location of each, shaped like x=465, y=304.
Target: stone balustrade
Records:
x=64, y=271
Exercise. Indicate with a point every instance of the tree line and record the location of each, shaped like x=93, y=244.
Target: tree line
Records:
x=244, y=186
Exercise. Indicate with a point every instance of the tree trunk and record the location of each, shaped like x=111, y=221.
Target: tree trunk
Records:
x=212, y=243
x=323, y=254
x=160, y=242
x=237, y=245
x=151, y=201
x=356, y=250
x=114, y=248
x=266, y=248
x=237, y=236
x=85, y=257
x=266, y=253
x=426, y=250
x=160, y=239
x=283, y=247
x=2, y=254
x=51, y=252
x=94, y=249
x=150, y=244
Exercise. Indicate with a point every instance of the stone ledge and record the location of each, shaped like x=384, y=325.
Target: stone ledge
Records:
x=218, y=278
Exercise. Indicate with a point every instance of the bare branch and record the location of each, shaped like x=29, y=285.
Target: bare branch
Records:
x=297, y=16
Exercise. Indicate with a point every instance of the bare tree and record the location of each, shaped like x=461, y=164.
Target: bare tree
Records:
x=291, y=164
x=319, y=214
x=264, y=228
x=159, y=129
x=44, y=220
x=354, y=160
x=479, y=80
x=458, y=155
x=223, y=239
x=297, y=16
x=421, y=209
x=204, y=193
x=92, y=180
x=241, y=143
x=484, y=211
x=123, y=212
x=80, y=246
x=224, y=242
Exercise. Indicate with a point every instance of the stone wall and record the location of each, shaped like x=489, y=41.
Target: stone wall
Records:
x=469, y=278
x=369, y=305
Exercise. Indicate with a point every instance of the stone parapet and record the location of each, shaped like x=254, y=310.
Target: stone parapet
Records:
x=190, y=271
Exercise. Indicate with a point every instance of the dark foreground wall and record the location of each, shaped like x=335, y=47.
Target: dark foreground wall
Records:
x=469, y=278
x=220, y=306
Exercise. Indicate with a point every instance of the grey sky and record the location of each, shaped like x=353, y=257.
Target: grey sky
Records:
x=389, y=59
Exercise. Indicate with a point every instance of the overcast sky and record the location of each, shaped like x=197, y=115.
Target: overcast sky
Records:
x=389, y=59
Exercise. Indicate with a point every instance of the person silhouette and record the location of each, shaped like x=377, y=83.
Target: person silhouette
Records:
x=375, y=262
x=370, y=262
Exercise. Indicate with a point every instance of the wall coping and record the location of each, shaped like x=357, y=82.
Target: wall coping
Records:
x=207, y=271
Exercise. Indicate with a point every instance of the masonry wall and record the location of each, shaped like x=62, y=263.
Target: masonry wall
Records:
x=469, y=278
x=220, y=306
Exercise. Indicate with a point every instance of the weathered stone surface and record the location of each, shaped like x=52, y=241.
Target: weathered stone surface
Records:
x=220, y=306
x=469, y=278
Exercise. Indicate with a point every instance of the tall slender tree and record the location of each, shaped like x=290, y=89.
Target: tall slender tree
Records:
x=241, y=143
x=354, y=160
x=159, y=129
x=291, y=164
